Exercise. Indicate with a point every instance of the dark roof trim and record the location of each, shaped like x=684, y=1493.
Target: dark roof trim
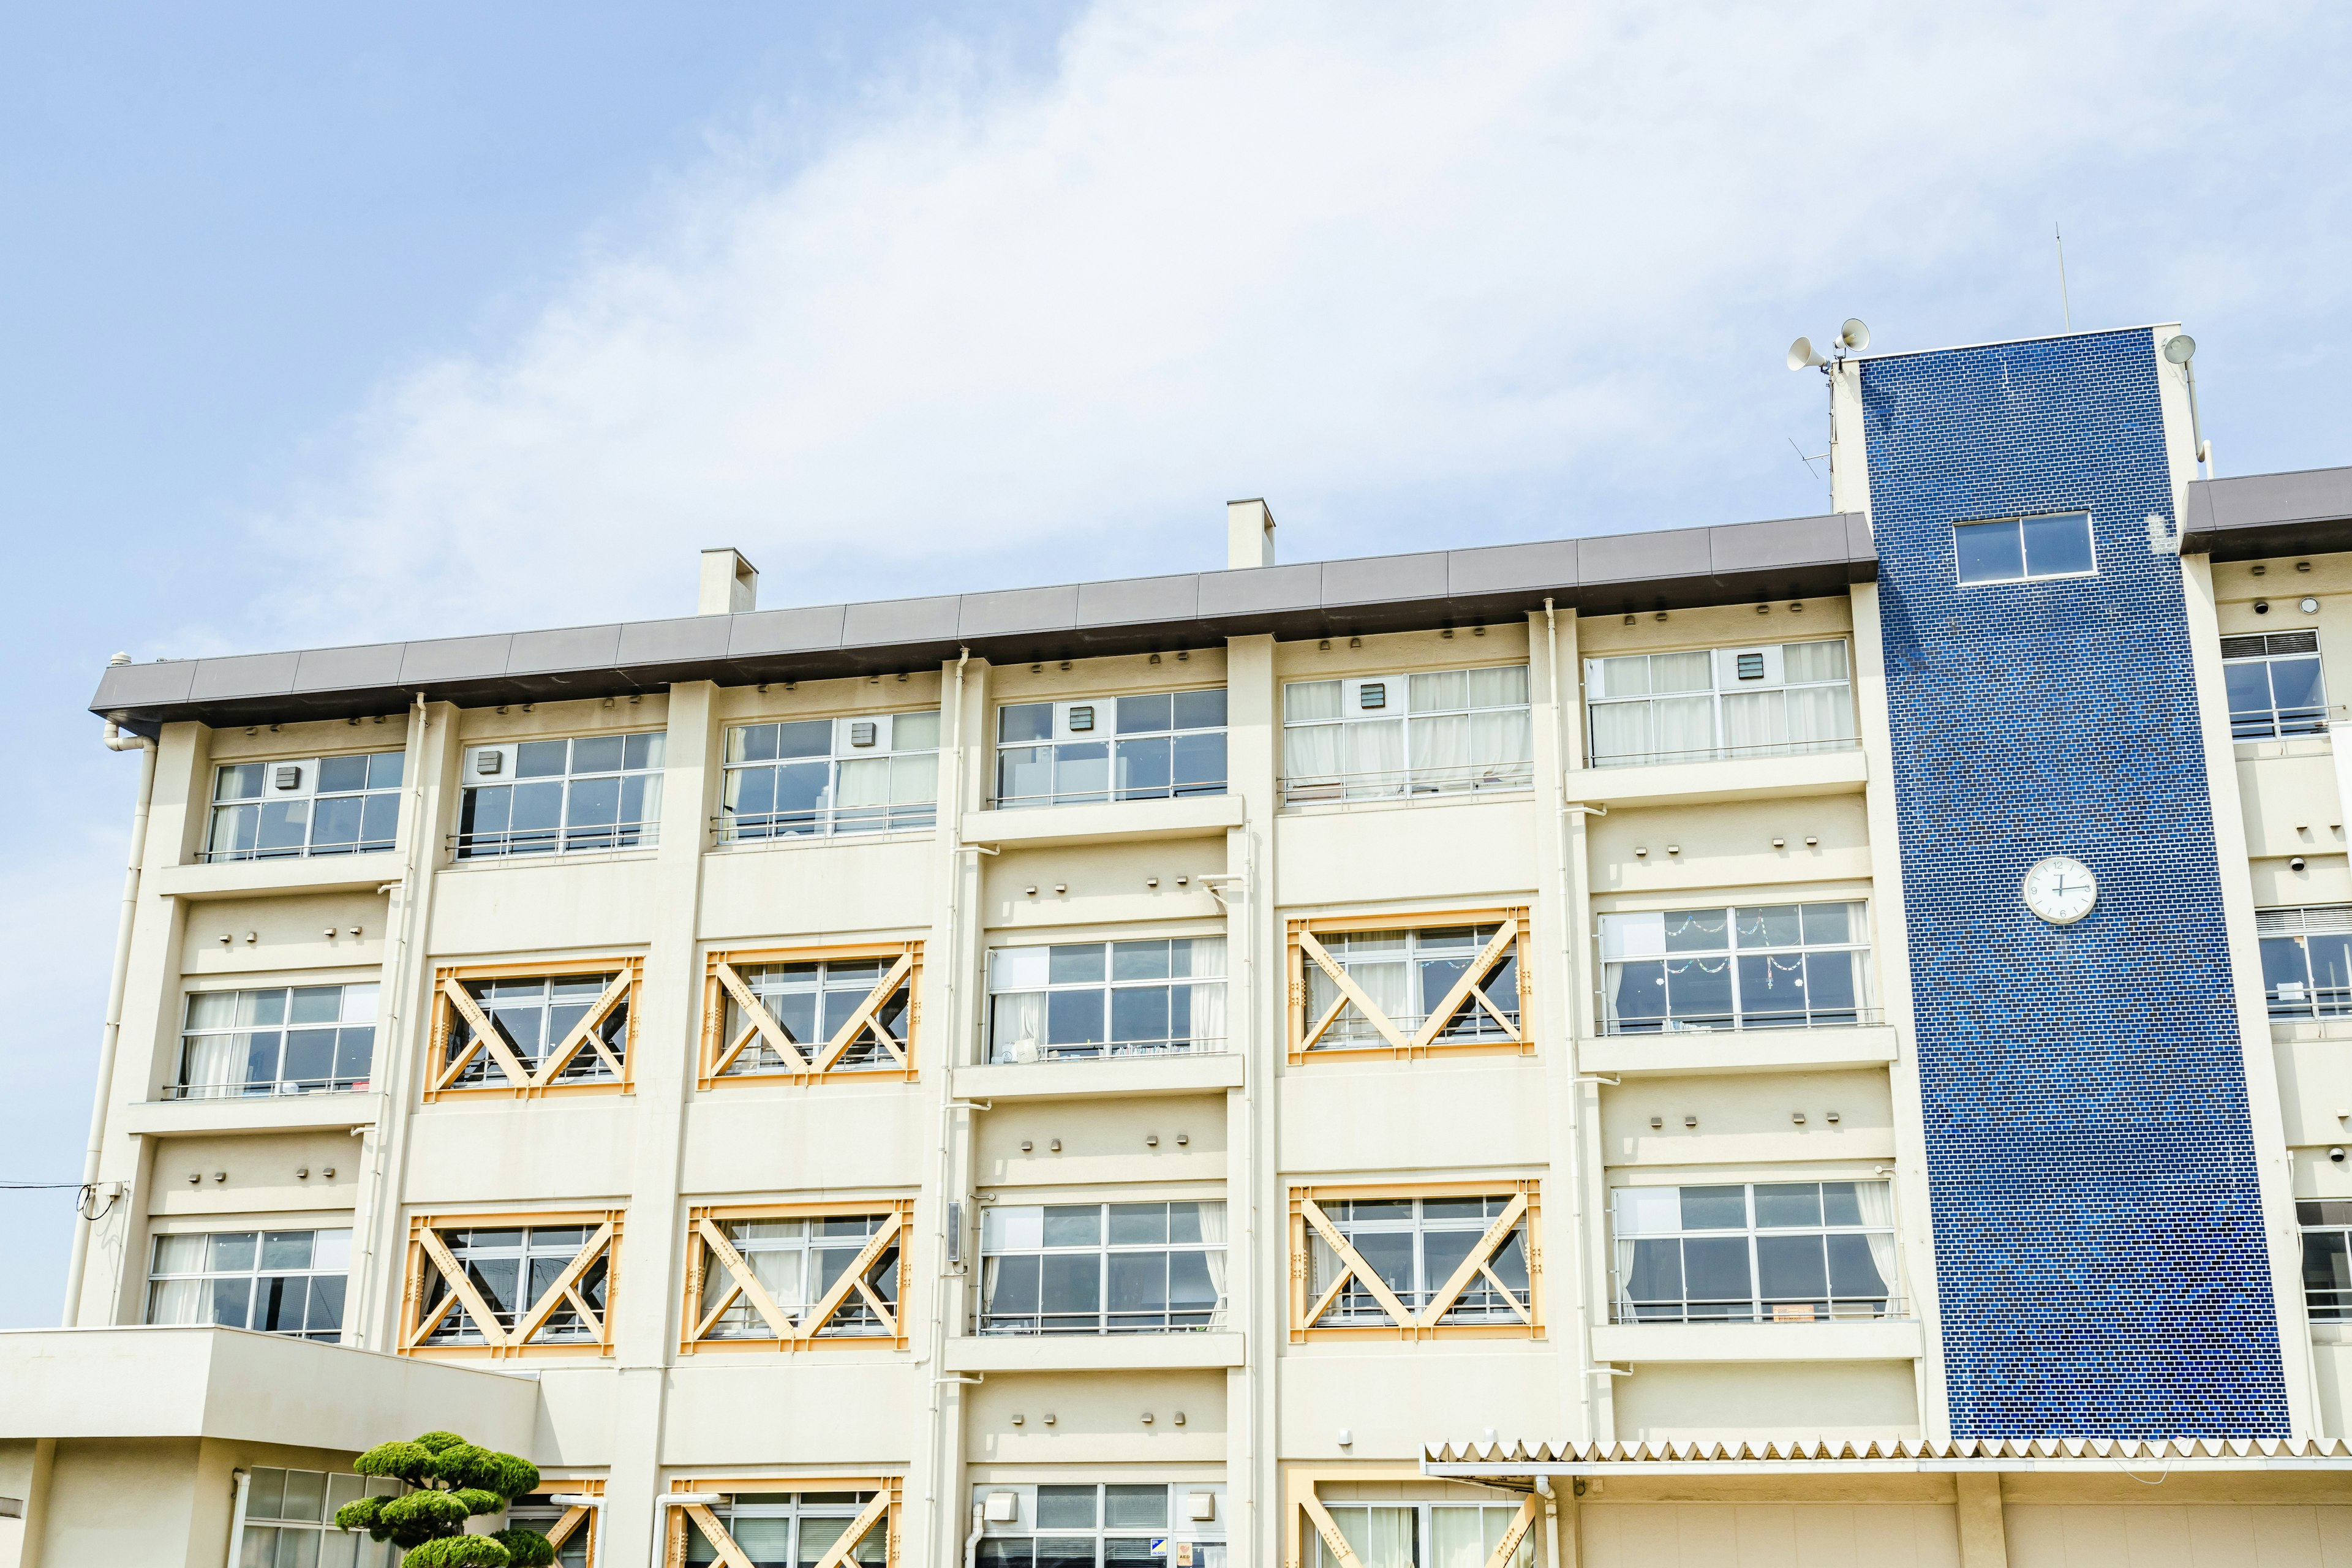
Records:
x=1798, y=557
x=2308, y=512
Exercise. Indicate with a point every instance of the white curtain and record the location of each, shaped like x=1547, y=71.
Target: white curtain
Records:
x=1212, y=1231
x=1682, y=672
x=1801, y=662
x=1017, y=1027
x=1208, y=1031
x=1503, y=688
x=1820, y=715
x=1310, y=753
x=1371, y=755
x=179, y=1301
x=1502, y=739
x=214, y=1061
x=1441, y=751
x=914, y=780
x=865, y=782
x=1878, y=1212
x=1441, y=691
x=1620, y=731
x=1304, y=701
x=1628, y=675
x=1755, y=722
x=1685, y=725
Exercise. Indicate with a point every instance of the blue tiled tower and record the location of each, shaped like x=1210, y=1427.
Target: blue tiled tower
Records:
x=2099, y=1240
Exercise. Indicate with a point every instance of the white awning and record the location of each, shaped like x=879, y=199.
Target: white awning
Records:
x=1473, y=1461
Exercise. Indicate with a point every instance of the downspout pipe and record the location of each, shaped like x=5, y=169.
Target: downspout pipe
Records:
x=85, y=1204
x=1551, y=1522
x=971, y=1541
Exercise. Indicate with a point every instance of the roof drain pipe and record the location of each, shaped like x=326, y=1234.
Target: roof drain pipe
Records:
x=86, y=1209
x=971, y=1541
x=1551, y=1519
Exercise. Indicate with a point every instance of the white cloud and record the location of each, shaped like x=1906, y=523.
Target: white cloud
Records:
x=1383, y=264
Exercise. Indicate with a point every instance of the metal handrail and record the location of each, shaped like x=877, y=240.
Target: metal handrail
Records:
x=1730, y=754
x=264, y=1089
x=1753, y=1024
x=1749, y=1310
x=1105, y=1050
x=1406, y=783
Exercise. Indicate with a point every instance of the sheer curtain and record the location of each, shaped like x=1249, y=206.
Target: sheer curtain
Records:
x=863, y=796
x=1620, y=731
x=1755, y=722
x=1371, y=755
x=1877, y=1199
x=1821, y=716
x=1441, y=752
x=1208, y=1027
x=1016, y=1028
x=1212, y=1231
x=1685, y=727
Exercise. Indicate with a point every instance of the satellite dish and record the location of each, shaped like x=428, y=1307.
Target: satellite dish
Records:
x=1802, y=354
x=1853, y=336
x=2179, y=347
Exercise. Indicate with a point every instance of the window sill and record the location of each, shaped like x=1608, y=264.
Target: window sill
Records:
x=261, y=1114
x=1886, y=1339
x=1708, y=782
x=1451, y=798
x=1736, y=1051
x=1111, y=822
x=1132, y=1077
x=2292, y=746
x=1094, y=1352
x=245, y=878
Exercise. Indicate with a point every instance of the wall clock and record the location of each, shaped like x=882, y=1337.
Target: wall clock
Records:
x=2060, y=889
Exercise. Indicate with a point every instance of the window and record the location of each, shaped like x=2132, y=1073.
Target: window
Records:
x=1102, y=1269
x=793, y=1529
x=1408, y=988
x=1773, y=1252
x=2015, y=548
x=1781, y=699
x=841, y=1012
x=1439, y=1535
x=289, y=1520
x=271, y=1281
x=1440, y=733
x=539, y=1513
x=301, y=1039
x=1088, y=999
x=2306, y=960
x=313, y=805
x=1165, y=745
x=808, y=1268
x=1415, y=1251
x=2274, y=686
x=507, y=1286
x=875, y=773
x=531, y=1033
x=2326, y=1258
x=1756, y=966
x=1092, y=1526
x=541, y=797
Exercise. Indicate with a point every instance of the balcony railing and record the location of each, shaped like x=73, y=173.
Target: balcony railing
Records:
x=1728, y=753
x=1163, y=1321
x=744, y=828
x=523, y=841
x=1858, y=1309
x=1750, y=1023
x=1408, y=784
x=267, y=1089
x=1024, y=1052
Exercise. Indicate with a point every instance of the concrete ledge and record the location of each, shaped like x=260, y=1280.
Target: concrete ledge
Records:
x=1736, y=1051
x=249, y=879
x=1112, y=822
x=1132, y=1076
x=1703, y=783
x=203, y=1381
x=1892, y=1339
x=1093, y=1353
x=276, y=1113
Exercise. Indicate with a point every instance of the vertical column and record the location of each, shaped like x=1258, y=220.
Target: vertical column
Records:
x=645, y=1286
x=1984, y=1534
x=1257, y=1269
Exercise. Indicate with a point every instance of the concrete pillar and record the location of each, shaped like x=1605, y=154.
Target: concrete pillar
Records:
x=1984, y=1538
x=1249, y=535
x=1255, y=1211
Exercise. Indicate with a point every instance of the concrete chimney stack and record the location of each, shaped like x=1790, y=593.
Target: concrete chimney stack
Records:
x=731, y=585
x=1249, y=534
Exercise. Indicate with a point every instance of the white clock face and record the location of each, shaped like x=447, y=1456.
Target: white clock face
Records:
x=2060, y=889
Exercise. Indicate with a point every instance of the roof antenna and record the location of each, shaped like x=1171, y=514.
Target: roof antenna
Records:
x=2065, y=310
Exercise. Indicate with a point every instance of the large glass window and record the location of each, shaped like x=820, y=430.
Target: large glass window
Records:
x=1438, y=1535
x=1416, y=1244
x=1159, y=746
x=511, y=1268
x=2013, y=549
x=1071, y=1000
x=1768, y=700
x=539, y=1513
x=878, y=773
x=1752, y=966
x=791, y=1529
x=271, y=1281
x=798, y=1261
x=1091, y=1525
x=1408, y=974
x=542, y=797
x=300, y=1040
x=2274, y=686
x=1102, y=1269
x=2326, y=1258
x=1444, y=732
x=533, y=1015
x=289, y=1520
x=2306, y=960
x=309, y=805
x=1773, y=1252
x=811, y=1003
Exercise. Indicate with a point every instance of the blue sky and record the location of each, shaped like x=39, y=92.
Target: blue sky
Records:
x=318, y=325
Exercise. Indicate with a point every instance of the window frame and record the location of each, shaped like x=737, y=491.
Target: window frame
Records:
x=279, y=1085
x=2274, y=727
x=469, y=845
x=1305, y=1035
x=1517, y=1544
x=1343, y=788
x=2026, y=575
x=364, y=1553
x=2308, y=1224
x=1623, y=1309
x=722, y=975
x=420, y=1319
x=1521, y=1216
x=1181, y=1529
x=1720, y=685
x=441, y=1078
x=827, y=820
x=1107, y=988
x=1063, y=729
x=885, y=1501
x=257, y=1275
x=2294, y=923
x=1863, y=1014
x=696, y=1321
x=312, y=795
x=1216, y=1319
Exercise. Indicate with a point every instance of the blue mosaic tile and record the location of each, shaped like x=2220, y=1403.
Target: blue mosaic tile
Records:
x=2098, y=1237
